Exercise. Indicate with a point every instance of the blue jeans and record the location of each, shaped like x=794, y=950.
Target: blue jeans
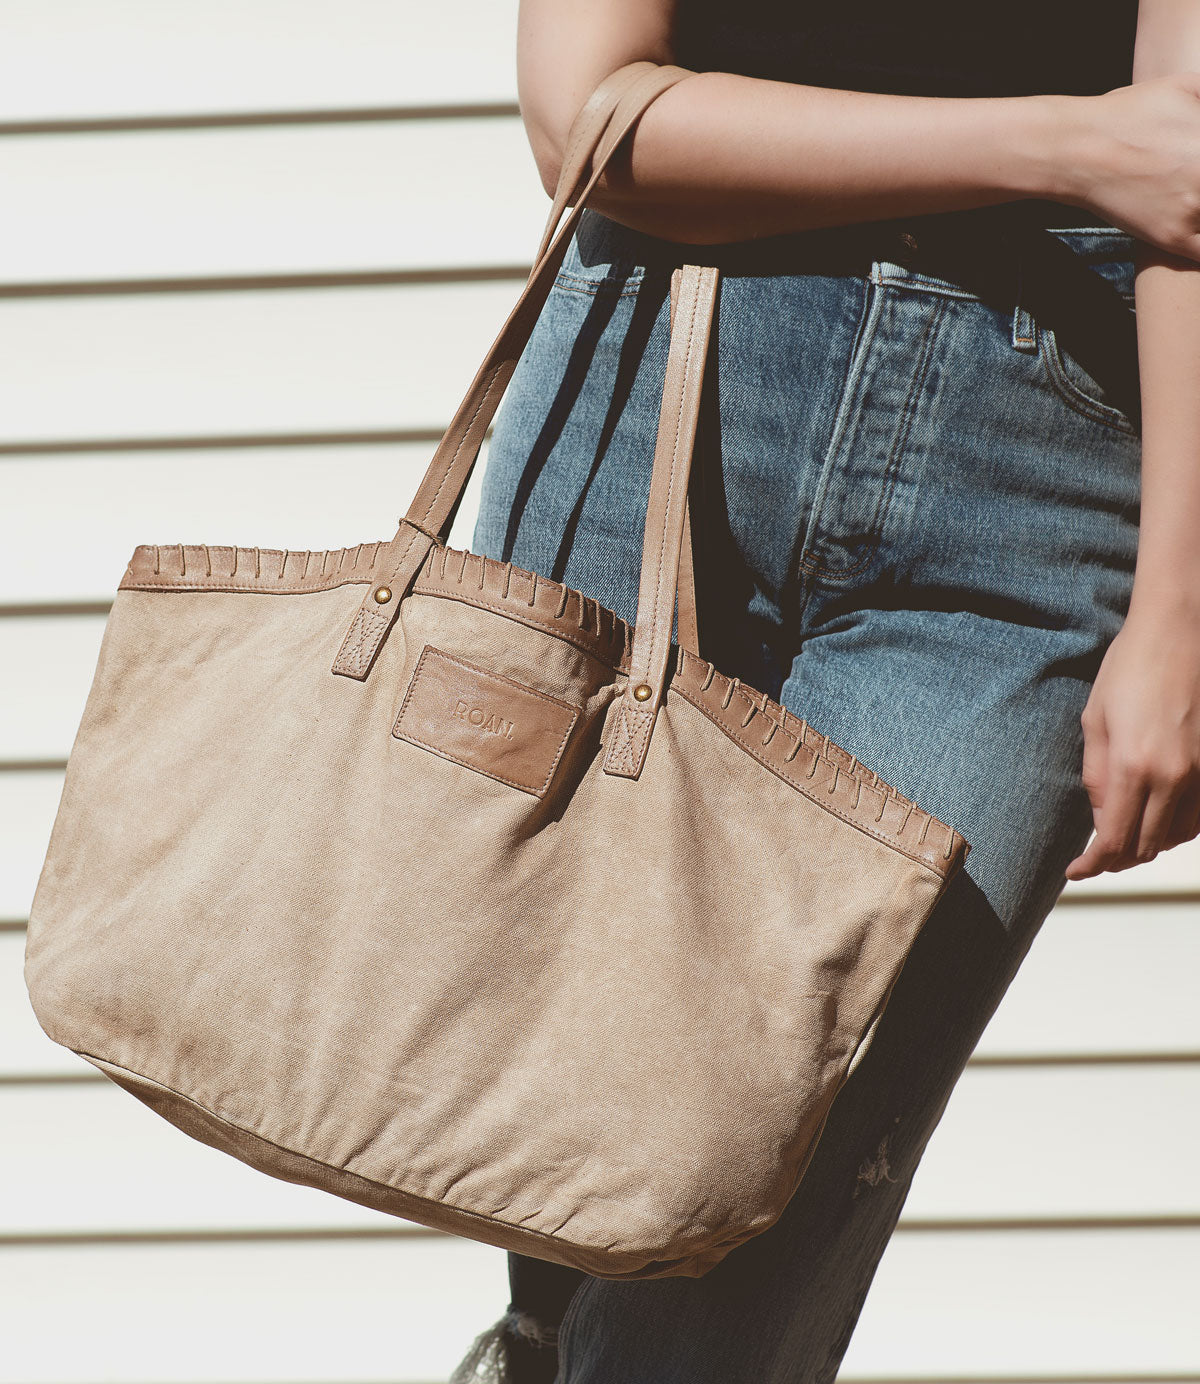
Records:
x=915, y=518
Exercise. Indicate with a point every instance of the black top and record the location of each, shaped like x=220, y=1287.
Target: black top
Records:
x=916, y=47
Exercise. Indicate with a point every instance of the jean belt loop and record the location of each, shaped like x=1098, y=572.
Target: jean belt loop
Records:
x=1024, y=327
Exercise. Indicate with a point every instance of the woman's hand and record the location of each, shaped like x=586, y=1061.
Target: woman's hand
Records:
x=1141, y=757
x=1133, y=155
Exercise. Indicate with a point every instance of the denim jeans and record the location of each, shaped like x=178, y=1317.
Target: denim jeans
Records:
x=915, y=516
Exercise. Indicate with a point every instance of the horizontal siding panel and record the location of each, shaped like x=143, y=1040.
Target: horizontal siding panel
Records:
x=1106, y=977
x=426, y=194
x=1012, y=1145
x=25, y=1049
x=142, y=1174
x=1040, y=1304
x=391, y=1311
x=64, y=58
x=69, y=524
x=1062, y=1141
x=40, y=707
x=28, y=802
x=1058, y=1302
x=59, y=554
x=213, y=364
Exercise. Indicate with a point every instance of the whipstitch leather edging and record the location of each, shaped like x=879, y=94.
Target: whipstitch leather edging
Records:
x=943, y=860
x=213, y=567
x=542, y=604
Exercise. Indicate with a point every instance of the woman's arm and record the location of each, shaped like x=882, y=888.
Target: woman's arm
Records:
x=726, y=157
x=1142, y=722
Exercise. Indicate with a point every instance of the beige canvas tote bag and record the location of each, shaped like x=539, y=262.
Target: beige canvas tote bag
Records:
x=425, y=880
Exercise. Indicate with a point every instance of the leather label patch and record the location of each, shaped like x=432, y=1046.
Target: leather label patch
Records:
x=484, y=721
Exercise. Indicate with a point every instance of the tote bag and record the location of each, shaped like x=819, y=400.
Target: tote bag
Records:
x=423, y=879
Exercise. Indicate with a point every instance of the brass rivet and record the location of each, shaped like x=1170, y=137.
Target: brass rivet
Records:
x=383, y=594
x=643, y=692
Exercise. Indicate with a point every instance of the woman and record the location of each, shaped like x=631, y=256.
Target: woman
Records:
x=922, y=473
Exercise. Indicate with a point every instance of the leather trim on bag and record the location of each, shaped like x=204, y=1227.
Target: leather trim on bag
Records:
x=285, y=572
x=531, y=600
x=844, y=787
x=536, y=601
x=876, y=809
x=464, y=576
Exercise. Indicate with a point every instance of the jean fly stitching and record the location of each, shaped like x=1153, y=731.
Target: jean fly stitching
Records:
x=809, y=563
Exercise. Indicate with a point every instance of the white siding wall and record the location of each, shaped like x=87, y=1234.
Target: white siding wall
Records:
x=251, y=253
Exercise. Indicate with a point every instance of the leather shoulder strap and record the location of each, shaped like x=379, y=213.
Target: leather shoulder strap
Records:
x=689, y=621
x=452, y=462
x=583, y=144
x=633, y=713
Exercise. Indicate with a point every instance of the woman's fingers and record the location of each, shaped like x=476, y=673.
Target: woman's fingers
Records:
x=1118, y=826
x=1095, y=781
x=1139, y=811
x=1141, y=743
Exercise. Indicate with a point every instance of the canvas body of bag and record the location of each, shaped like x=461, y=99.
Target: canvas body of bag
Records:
x=427, y=881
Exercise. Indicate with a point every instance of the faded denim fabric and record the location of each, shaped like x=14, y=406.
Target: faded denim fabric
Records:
x=916, y=517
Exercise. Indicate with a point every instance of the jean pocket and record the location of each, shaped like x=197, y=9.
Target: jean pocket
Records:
x=1080, y=385
x=603, y=256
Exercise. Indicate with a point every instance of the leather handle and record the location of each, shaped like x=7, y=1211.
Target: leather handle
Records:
x=632, y=714
x=588, y=135
x=625, y=94
x=689, y=624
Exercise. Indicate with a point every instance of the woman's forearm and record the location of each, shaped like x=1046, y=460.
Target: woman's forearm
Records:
x=1167, y=296
x=1141, y=724
x=722, y=157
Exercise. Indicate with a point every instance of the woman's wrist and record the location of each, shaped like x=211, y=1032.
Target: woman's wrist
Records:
x=1166, y=590
x=1055, y=148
